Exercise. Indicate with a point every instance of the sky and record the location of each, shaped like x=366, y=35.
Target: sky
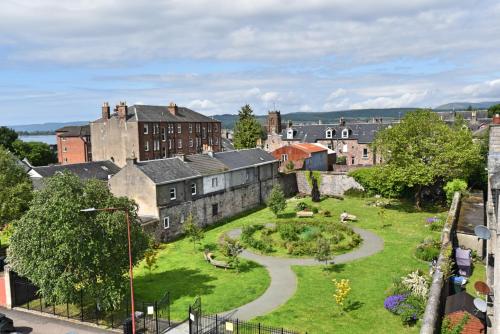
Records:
x=60, y=60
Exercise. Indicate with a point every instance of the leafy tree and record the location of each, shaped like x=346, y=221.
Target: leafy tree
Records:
x=15, y=189
x=276, y=201
x=315, y=195
x=323, y=251
x=423, y=151
x=495, y=109
x=377, y=180
x=247, y=129
x=193, y=231
x=7, y=137
x=232, y=249
x=63, y=250
x=38, y=154
x=151, y=258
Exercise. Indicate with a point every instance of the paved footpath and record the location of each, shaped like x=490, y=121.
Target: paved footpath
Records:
x=25, y=323
x=283, y=280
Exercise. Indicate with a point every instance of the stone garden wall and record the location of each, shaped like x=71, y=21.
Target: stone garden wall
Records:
x=331, y=183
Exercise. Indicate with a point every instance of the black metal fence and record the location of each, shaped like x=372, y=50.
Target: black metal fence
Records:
x=151, y=317
x=200, y=323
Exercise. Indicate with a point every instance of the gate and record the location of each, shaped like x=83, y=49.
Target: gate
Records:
x=195, y=317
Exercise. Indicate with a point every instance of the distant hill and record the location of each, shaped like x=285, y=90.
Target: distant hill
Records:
x=228, y=120
x=465, y=105
x=45, y=127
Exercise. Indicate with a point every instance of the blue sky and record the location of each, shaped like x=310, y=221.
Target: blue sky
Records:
x=60, y=60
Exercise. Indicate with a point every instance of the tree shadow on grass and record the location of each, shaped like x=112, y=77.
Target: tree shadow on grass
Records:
x=355, y=305
x=334, y=268
x=287, y=215
x=246, y=266
x=409, y=207
x=180, y=282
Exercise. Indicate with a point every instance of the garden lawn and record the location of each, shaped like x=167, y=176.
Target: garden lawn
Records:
x=313, y=308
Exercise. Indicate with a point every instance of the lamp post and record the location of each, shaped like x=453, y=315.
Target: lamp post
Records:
x=131, y=274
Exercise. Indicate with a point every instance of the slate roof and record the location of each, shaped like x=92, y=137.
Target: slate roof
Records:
x=244, y=158
x=87, y=170
x=363, y=132
x=227, y=145
x=462, y=301
x=166, y=170
x=74, y=131
x=147, y=113
x=205, y=164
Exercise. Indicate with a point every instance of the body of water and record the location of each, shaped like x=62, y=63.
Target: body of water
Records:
x=48, y=139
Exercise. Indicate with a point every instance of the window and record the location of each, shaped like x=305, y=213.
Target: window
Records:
x=215, y=209
x=65, y=159
x=284, y=157
x=193, y=189
x=210, y=141
x=289, y=133
x=65, y=149
x=179, y=143
x=170, y=128
x=146, y=146
x=179, y=128
x=344, y=148
x=329, y=146
x=352, y=160
x=204, y=132
x=214, y=182
x=166, y=222
x=365, y=153
x=216, y=140
x=63, y=138
x=216, y=128
x=164, y=152
x=146, y=129
x=170, y=144
x=190, y=128
x=163, y=134
x=329, y=134
x=345, y=133
x=156, y=145
x=198, y=128
x=190, y=142
x=172, y=193
x=156, y=129
x=209, y=128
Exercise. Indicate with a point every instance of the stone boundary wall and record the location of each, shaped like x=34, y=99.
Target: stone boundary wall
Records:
x=331, y=183
x=288, y=183
x=437, y=296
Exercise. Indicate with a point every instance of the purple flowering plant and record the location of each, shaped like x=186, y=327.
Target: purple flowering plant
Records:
x=392, y=303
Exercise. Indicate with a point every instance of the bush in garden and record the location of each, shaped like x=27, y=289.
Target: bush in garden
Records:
x=437, y=225
x=452, y=186
x=416, y=283
x=392, y=302
x=315, y=209
x=327, y=213
x=310, y=233
x=428, y=249
x=301, y=206
x=288, y=232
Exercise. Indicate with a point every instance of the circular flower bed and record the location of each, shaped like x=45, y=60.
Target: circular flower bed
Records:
x=299, y=238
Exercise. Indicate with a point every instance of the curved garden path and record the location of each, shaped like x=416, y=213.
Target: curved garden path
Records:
x=283, y=280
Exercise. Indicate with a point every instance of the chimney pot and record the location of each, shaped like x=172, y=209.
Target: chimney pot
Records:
x=496, y=119
x=122, y=110
x=106, y=112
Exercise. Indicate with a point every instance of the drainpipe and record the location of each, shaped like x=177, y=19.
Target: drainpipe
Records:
x=260, y=184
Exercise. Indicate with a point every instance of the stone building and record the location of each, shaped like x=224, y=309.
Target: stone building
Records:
x=210, y=186
x=74, y=144
x=352, y=141
x=302, y=156
x=152, y=132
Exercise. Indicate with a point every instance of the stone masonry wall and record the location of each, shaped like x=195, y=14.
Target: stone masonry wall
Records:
x=331, y=183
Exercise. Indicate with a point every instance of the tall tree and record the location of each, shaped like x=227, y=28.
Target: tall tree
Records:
x=423, y=151
x=247, y=129
x=15, y=188
x=38, y=154
x=193, y=231
x=7, y=137
x=63, y=250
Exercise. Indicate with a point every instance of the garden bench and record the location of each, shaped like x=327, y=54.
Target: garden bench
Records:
x=347, y=217
x=303, y=214
x=215, y=263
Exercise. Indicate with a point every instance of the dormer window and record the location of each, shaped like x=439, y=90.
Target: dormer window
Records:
x=345, y=133
x=329, y=134
x=289, y=133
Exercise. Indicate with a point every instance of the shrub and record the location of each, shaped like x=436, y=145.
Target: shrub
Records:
x=327, y=213
x=315, y=209
x=428, y=249
x=289, y=232
x=310, y=233
x=416, y=283
x=276, y=201
x=301, y=206
x=437, y=225
x=392, y=302
x=377, y=181
x=411, y=309
x=355, y=192
x=452, y=186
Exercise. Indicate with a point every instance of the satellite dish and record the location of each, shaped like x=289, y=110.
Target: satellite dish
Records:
x=482, y=232
x=480, y=304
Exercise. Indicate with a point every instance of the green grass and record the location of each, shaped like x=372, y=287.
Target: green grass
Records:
x=313, y=309
x=478, y=274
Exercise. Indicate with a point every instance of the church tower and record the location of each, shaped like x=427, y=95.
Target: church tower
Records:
x=274, y=122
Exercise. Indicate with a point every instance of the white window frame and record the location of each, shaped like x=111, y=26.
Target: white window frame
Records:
x=289, y=134
x=190, y=142
x=215, y=182
x=329, y=134
x=179, y=128
x=65, y=149
x=179, y=143
x=170, y=144
x=345, y=148
x=146, y=146
x=146, y=129
x=190, y=127
x=345, y=133
x=175, y=194
x=284, y=157
x=163, y=134
x=193, y=189
x=216, y=140
x=166, y=223
x=170, y=128
x=365, y=156
x=156, y=145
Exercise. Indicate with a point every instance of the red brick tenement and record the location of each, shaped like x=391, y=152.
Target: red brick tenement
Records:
x=73, y=144
x=152, y=132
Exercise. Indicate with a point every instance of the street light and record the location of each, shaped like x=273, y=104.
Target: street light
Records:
x=131, y=274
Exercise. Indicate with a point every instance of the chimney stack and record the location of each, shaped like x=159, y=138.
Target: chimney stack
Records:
x=106, y=111
x=342, y=121
x=172, y=108
x=122, y=110
x=496, y=119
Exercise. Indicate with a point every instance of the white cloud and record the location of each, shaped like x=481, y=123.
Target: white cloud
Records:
x=486, y=89
x=270, y=97
x=336, y=94
x=305, y=108
x=404, y=100
x=202, y=104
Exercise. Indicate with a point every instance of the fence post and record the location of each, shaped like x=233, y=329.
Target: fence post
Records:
x=144, y=312
x=112, y=320
x=41, y=303
x=81, y=305
x=189, y=317
x=27, y=294
x=237, y=327
x=67, y=310
x=168, y=308
x=96, y=314
x=156, y=317
x=216, y=324
x=259, y=327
